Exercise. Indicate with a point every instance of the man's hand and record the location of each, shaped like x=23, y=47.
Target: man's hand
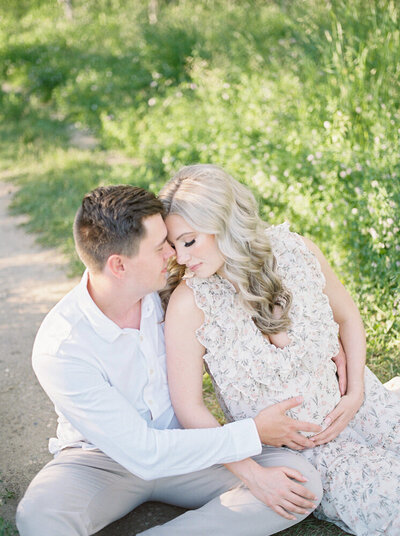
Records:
x=340, y=361
x=339, y=418
x=277, y=488
x=275, y=428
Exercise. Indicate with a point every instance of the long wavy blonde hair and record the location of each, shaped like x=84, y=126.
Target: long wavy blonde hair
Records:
x=212, y=202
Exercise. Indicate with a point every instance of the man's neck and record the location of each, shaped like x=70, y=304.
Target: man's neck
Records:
x=113, y=301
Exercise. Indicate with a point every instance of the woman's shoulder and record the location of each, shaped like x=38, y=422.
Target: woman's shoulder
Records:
x=282, y=239
x=182, y=304
x=293, y=251
x=212, y=294
x=276, y=232
x=182, y=296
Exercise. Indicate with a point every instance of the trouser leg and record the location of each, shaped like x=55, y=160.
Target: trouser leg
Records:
x=224, y=505
x=77, y=494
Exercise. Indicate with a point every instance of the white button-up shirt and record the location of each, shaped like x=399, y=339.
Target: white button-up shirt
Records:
x=110, y=392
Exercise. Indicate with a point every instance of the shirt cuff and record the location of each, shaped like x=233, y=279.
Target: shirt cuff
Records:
x=245, y=438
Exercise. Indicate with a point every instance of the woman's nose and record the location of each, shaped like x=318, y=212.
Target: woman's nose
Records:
x=181, y=256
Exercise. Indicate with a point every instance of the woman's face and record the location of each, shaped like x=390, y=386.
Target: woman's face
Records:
x=198, y=251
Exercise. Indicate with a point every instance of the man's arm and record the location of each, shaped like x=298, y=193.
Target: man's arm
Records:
x=107, y=420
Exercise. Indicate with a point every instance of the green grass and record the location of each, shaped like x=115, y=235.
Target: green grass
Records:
x=299, y=100
x=7, y=529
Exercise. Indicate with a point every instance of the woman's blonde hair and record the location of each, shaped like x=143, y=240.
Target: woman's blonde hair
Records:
x=212, y=202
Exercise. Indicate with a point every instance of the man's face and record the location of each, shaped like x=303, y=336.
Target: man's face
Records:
x=147, y=270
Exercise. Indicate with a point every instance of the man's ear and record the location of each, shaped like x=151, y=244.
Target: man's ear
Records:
x=115, y=264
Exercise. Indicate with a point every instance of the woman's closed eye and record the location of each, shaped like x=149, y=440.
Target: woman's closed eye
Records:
x=188, y=244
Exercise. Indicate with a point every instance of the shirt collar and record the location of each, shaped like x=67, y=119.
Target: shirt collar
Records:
x=102, y=325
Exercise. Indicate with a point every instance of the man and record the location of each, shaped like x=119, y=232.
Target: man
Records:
x=100, y=357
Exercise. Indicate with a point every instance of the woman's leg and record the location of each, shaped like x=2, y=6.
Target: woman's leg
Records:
x=224, y=505
x=378, y=419
x=361, y=487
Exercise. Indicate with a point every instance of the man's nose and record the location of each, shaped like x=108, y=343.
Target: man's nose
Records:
x=168, y=251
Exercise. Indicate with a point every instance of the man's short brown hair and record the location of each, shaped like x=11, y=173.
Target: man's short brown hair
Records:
x=110, y=221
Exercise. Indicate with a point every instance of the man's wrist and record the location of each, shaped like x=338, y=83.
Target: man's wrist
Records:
x=244, y=470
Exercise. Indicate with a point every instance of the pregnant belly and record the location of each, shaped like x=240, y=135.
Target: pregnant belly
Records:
x=320, y=392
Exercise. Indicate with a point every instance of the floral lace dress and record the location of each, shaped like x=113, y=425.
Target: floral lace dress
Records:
x=360, y=469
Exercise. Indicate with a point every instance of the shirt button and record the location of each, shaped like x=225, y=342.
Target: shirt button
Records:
x=141, y=338
x=151, y=371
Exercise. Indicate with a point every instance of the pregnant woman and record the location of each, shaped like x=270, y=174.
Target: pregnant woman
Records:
x=261, y=307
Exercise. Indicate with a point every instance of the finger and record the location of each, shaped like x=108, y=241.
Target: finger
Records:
x=331, y=420
x=294, y=499
x=279, y=510
x=334, y=414
x=329, y=434
x=294, y=446
x=290, y=507
x=301, y=440
x=293, y=473
x=303, y=426
x=324, y=440
x=302, y=492
x=290, y=403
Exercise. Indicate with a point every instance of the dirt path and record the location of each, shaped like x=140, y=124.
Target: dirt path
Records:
x=32, y=280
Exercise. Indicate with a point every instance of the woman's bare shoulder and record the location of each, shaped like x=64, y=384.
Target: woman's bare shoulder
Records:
x=182, y=303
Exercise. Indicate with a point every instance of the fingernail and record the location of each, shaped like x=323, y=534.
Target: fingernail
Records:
x=299, y=399
x=327, y=421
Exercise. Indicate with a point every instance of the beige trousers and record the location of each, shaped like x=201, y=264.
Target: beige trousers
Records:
x=80, y=492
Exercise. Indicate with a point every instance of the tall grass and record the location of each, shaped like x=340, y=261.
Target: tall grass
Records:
x=300, y=100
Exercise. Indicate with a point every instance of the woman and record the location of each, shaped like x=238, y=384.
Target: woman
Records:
x=263, y=309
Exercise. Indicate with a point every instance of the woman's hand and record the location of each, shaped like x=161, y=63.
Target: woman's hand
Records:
x=339, y=418
x=277, y=488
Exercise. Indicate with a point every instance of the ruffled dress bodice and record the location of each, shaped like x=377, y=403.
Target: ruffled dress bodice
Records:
x=249, y=372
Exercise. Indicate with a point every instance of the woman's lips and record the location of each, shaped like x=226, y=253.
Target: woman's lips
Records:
x=194, y=267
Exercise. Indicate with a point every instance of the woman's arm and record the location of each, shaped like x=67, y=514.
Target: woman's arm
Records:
x=352, y=336
x=275, y=486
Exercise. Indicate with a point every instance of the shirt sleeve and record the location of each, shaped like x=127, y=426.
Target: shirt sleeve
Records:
x=104, y=417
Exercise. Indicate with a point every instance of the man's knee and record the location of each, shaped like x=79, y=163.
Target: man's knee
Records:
x=313, y=477
x=30, y=518
x=283, y=457
x=35, y=517
x=314, y=482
